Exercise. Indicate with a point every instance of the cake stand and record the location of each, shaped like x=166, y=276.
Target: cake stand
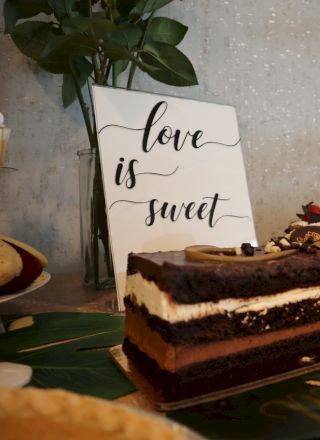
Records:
x=12, y=374
x=42, y=279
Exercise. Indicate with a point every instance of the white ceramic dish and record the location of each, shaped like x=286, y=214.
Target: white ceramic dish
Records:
x=42, y=279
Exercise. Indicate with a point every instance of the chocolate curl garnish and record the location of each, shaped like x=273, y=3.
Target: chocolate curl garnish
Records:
x=216, y=254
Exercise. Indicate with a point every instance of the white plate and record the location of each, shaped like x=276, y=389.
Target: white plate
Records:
x=42, y=279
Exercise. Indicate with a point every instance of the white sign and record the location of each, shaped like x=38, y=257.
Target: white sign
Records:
x=173, y=174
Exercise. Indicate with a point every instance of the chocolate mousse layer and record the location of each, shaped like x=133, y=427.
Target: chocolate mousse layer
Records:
x=225, y=372
x=173, y=357
x=193, y=282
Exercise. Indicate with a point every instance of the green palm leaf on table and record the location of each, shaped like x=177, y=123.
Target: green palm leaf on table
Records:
x=81, y=364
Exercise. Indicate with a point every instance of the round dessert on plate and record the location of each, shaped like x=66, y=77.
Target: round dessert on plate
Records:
x=31, y=413
x=20, y=265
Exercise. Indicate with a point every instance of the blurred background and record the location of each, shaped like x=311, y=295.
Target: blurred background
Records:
x=263, y=57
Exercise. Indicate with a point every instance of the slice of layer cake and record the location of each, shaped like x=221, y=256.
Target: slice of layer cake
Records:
x=203, y=320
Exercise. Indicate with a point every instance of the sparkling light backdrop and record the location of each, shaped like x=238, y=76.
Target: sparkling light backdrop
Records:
x=263, y=57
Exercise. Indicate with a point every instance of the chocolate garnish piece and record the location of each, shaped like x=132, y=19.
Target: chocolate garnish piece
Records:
x=216, y=255
x=305, y=234
x=247, y=249
x=284, y=244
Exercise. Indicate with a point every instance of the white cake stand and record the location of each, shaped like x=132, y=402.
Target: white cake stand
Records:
x=13, y=374
x=42, y=279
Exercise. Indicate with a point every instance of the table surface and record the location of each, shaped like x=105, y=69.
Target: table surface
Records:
x=63, y=293
x=66, y=293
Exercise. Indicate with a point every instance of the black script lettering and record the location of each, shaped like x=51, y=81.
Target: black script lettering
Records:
x=212, y=208
x=196, y=136
x=163, y=137
x=151, y=122
x=166, y=134
x=165, y=210
x=129, y=177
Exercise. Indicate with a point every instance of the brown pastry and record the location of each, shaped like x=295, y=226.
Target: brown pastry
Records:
x=10, y=263
x=32, y=263
x=32, y=413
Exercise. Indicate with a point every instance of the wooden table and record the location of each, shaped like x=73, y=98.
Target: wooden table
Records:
x=63, y=293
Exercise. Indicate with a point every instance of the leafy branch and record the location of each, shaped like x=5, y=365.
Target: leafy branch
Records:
x=100, y=41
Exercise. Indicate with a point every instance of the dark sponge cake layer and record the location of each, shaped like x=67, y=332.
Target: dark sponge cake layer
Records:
x=229, y=326
x=224, y=372
x=193, y=282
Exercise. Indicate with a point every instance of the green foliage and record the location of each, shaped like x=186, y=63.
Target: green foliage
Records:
x=100, y=41
x=32, y=37
x=119, y=37
x=16, y=9
x=166, y=30
x=82, y=70
x=81, y=365
x=173, y=67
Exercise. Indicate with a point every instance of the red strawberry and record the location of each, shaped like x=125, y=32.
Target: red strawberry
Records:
x=311, y=213
x=314, y=209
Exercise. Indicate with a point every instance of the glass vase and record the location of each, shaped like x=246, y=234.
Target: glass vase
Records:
x=96, y=255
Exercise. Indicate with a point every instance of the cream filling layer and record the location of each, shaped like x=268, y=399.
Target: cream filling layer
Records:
x=160, y=303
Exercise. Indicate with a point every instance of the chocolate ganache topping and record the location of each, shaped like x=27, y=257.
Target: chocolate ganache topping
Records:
x=245, y=254
x=303, y=235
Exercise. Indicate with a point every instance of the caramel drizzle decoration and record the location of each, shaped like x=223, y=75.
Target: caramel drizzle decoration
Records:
x=216, y=254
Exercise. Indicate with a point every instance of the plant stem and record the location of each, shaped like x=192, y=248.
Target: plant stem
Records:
x=107, y=72
x=133, y=63
x=84, y=109
x=95, y=68
x=114, y=76
x=93, y=117
x=111, y=7
x=131, y=74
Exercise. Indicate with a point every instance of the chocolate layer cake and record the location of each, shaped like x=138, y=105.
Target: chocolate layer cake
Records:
x=202, y=320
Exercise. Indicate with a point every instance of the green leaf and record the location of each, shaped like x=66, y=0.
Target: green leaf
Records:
x=97, y=27
x=82, y=69
x=83, y=7
x=90, y=372
x=283, y=410
x=60, y=50
x=15, y=9
x=124, y=6
x=166, y=30
x=127, y=35
x=174, y=67
x=306, y=207
x=31, y=37
x=82, y=365
x=144, y=6
x=119, y=67
x=63, y=8
x=116, y=52
x=53, y=327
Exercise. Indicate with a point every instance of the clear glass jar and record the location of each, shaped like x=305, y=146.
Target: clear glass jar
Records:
x=96, y=255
